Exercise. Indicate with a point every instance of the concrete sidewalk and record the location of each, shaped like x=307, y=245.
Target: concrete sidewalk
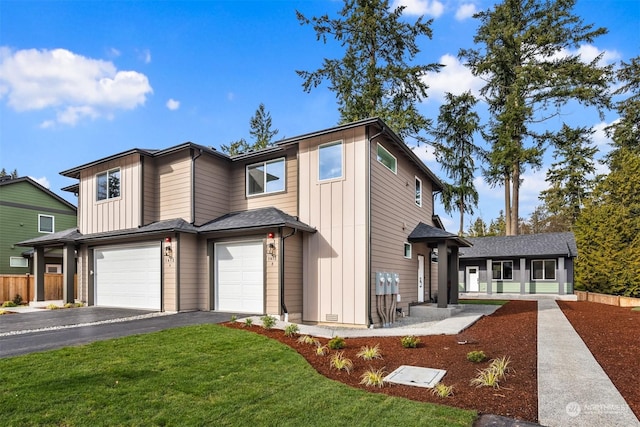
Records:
x=573, y=389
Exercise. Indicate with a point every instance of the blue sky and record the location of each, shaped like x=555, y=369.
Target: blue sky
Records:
x=81, y=80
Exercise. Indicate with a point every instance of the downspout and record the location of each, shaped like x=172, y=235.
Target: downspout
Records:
x=193, y=185
x=371, y=284
x=285, y=312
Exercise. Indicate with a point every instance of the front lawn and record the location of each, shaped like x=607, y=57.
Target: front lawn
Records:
x=197, y=375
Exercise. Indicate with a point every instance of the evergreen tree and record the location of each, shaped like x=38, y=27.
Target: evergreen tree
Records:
x=260, y=129
x=376, y=77
x=497, y=227
x=530, y=76
x=4, y=173
x=455, y=151
x=478, y=228
x=626, y=132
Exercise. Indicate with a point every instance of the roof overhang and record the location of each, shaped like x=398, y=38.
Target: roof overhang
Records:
x=433, y=236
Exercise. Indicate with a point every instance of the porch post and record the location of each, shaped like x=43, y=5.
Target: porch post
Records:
x=38, y=273
x=443, y=273
x=561, y=273
x=523, y=275
x=68, y=270
x=453, y=276
x=489, y=276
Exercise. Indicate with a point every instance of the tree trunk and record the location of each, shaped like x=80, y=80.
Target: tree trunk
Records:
x=461, y=231
x=515, y=182
x=507, y=205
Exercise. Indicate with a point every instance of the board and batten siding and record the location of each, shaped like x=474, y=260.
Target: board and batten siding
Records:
x=394, y=215
x=149, y=190
x=112, y=214
x=212, y=195
x=286, y=201
x=293, y=276
x=188, y=247
x=335, y=257
x=174, y=186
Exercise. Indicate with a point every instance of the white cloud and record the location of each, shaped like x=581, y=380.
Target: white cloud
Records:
x=465, y=11
x=600, y=137
x=145, y=56
x=588, y=53
x=74, y=86
x=424, y=152
x=420, y=7
x=454, y=77
x=172, y=104
x=42, y=181
x=114, y=53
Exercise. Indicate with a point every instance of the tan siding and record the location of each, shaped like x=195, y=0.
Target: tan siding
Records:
x=286, y=201
x=170, y=278
x=113, y=214
x=394, y=214
x=211, y=188
x=174, y=186
x=82, y=271
x=335, y=257
x=205, y=281
x=272, y=278
x=189, y=272
x=150, y=191
x=293, y=277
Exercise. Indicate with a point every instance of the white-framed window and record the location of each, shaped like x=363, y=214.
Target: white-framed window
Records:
x=418, y=191
x=108, y=185
x=266, y=177
x=387, y=159
x=53, y=268
x=46, y=223
x=502, y=270
x=18, y=261
x=543, y=269
x=407, y=250
x=330, y=161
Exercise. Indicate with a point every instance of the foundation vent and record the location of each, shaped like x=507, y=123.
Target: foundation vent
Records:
x=332, y=317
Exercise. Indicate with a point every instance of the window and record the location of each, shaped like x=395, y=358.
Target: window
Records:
x=18, y=261
x=544, y=269
x=108, y=185
x=407, y=250
x=330, y=161
x=266, y=177
x=502, y=270
x=387, y=159
x=418, y=191
x=45, y=224
x=53, y=268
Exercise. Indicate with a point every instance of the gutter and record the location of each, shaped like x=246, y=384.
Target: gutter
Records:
x=369, y=238
x=285, y=312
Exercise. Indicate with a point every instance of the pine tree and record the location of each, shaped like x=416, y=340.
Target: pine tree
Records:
x=260, y=129
x=626, y=132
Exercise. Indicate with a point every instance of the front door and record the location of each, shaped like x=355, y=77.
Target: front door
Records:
x=472, y=279
x=420, y=278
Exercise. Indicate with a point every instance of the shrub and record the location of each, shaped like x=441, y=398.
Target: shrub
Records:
x=501, y=367
x=17, y=299
x=3, y=312
x=9, y=304
x=69, y=305
x=248, y=322
x=373, y=377
x=486, y=378
x=233, y=318
x=476, y=356
x=268, y=322
x=341, y=363
x=321, y=350
x=410, y=341
x=442, y=390
x=336, y=343
x=307, y=339
x=291, y=330
x=52, y=307
x=370, y=353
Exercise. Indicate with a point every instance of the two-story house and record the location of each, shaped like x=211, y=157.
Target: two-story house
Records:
x=334, y=226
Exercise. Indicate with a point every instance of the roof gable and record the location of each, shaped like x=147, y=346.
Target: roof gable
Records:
x=58, y=201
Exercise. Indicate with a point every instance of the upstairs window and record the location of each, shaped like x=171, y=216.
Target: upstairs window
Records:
x=418, y=191
x=502, y=270
x=108, y=185
x=45, y=224
x=407, y=250
x=387, y=159
x=266, y=177
x=330, y=161
x=544, y=269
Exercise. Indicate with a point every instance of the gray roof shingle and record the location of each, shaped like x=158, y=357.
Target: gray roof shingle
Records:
x=424, y=232
x=524, y=245
x=255, y=218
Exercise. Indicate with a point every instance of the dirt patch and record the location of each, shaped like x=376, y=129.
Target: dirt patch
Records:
x=613, y=337
x=511, y=331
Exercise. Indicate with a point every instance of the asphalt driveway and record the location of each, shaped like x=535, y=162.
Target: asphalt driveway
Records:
x=51, y=329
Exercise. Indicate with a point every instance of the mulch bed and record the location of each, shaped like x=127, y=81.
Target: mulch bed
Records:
x=511, y=331
x=613, y=337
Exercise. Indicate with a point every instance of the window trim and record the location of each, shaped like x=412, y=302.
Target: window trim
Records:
x=418, y=200
x=545, y=279
x=22, y=261
x=329, y=144
x=395, y=160
x=107, y=173
x=58, y=268
x=264, y=163
x=408, y=245
x=501, y=269
x=53, y=223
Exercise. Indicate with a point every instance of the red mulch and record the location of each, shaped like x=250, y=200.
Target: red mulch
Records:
x=510, y=331
x=613, y=336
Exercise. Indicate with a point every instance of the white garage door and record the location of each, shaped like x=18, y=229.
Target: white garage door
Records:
x=240, y=277
x=128, y=276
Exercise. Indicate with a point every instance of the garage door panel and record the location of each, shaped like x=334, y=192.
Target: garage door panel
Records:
x=240, y=277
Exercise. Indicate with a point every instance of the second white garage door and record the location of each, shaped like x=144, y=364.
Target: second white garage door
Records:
x=240, y=277
x=128, y=276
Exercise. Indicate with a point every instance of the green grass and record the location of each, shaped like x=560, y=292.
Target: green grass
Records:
x=483, y=301
x=635, y=309
x=197, y=375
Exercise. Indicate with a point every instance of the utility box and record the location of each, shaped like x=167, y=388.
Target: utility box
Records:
x=395, y=283
x=389, y=281
x=381, y=280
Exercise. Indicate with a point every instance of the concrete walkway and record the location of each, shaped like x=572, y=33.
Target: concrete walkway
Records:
x=573, y=389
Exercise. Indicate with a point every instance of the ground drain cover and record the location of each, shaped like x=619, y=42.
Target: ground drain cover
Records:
x=416, y=376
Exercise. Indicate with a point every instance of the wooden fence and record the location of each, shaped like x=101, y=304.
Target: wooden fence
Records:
x=608, y=299
x=24, y=285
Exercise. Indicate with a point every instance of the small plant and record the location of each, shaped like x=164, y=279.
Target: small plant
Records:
x=268, y=322
x=442, y=390
x=410, y=341
x=370, y=353
x=69, y=305
x=17, y=299
x=321, y=350
x=233, y=318
x=336, y=343
x=3, y=312
x=291, y=330
x=52, y=307
x=501, y=367
x=79, y=304
x=486, y=378
x=373, y=377
x=307, y=339
x=9, y=304
x=248, y=322
x=476, y=356
x=341, y=363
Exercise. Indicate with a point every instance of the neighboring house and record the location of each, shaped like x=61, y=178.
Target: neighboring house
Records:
x=525, y=264
x=329, y=227
x=28, y=210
